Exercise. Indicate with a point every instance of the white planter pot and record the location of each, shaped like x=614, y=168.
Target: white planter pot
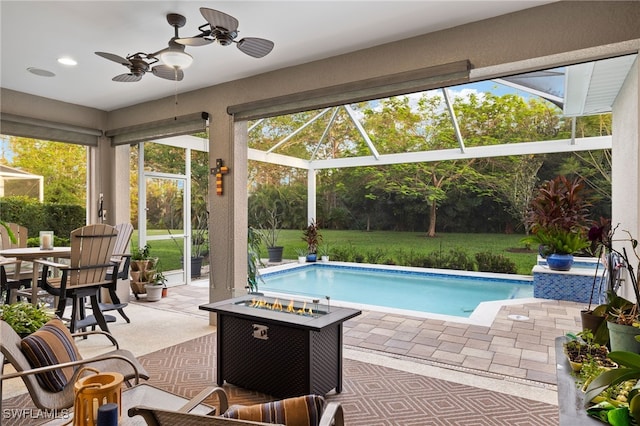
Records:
x=302, y=259
x=324, y=259
x=154, y=292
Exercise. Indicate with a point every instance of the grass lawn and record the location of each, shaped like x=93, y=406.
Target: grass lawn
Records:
x=387, y=242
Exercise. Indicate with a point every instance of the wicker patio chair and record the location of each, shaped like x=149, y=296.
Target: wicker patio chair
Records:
x=308, y=410
x=16, y=351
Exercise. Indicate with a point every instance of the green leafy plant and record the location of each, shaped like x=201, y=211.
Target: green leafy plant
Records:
x=158, y=278
x=25, y=318
x=558, y=240
x=629, y=369
x=323, y=250
x=254, y=239
x=143, y=253
x=12, y=236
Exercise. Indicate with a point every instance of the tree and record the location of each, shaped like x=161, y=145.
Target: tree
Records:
x=515, y=183
x=62, y=165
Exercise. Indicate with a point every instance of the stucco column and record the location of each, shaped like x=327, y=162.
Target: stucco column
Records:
x=108, y=174
x=311, y=196
x=625, y=175
x=228, y=212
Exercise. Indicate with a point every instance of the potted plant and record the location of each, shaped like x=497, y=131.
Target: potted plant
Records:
x=140, y=258
x=270, y=234
x=622, y=315
x=155, y=285
x=557, y=220
x=25, y=318
x=199, y=242
x=582, y=347
x=593, y=319
x=311, y=235
x=142, y=265
x=558, y=245
x=324, y=252
x=302, y=255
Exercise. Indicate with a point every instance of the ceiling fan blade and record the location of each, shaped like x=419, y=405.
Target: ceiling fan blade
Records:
x=167, y=72
x=127, y=78
x=215, y=18
x=114, y=58
x=256, y=47
x=200, y=40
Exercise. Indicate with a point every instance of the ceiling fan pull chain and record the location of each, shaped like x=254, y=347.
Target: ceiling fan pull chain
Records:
x=175, y=70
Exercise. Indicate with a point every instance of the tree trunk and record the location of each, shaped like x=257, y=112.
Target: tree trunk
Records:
x=432, y=220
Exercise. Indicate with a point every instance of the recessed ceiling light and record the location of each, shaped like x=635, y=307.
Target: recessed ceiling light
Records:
x=65, y=60
x=40, y=72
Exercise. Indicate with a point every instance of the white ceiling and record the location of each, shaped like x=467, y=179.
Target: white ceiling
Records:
x=36, y=33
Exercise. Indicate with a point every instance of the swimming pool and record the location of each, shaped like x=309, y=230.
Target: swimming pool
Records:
x=439, y=292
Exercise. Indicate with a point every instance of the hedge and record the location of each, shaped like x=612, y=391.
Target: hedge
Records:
x=36, y=216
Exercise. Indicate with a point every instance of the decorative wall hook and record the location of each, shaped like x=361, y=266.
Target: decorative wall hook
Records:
x=219, y=171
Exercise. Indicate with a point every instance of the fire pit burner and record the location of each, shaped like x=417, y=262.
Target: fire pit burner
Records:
x=278, y=352
x=292, y=307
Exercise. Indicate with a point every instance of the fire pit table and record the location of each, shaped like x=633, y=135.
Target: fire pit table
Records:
x=282, y=349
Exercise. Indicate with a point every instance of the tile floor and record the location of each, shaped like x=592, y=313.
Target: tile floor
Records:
x=518, y=345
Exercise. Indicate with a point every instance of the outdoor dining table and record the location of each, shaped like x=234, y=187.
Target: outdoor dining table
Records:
x=29, y=254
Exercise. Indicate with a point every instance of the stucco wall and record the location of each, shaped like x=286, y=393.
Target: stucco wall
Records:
x=625, y=190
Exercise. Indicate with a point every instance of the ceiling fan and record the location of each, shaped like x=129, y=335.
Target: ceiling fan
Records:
x=174, y=58
x=223, y=28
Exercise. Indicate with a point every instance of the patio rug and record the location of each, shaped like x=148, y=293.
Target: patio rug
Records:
x=372, y=395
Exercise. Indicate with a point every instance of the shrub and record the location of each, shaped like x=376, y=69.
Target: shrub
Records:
x=452, y=259
x=24, y=317
x=458, y=259
x=376, y=256
x=491, y=262
x=36, y=216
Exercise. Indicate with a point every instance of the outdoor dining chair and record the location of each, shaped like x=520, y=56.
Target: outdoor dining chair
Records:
x=20, y=271
x=91, y=251
x=49, y=362
x=7, y=285
x=122, y=256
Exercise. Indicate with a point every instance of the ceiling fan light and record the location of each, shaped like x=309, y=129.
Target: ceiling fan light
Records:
x=176, y=59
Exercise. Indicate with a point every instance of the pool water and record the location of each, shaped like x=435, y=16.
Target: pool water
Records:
x=439, y=293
